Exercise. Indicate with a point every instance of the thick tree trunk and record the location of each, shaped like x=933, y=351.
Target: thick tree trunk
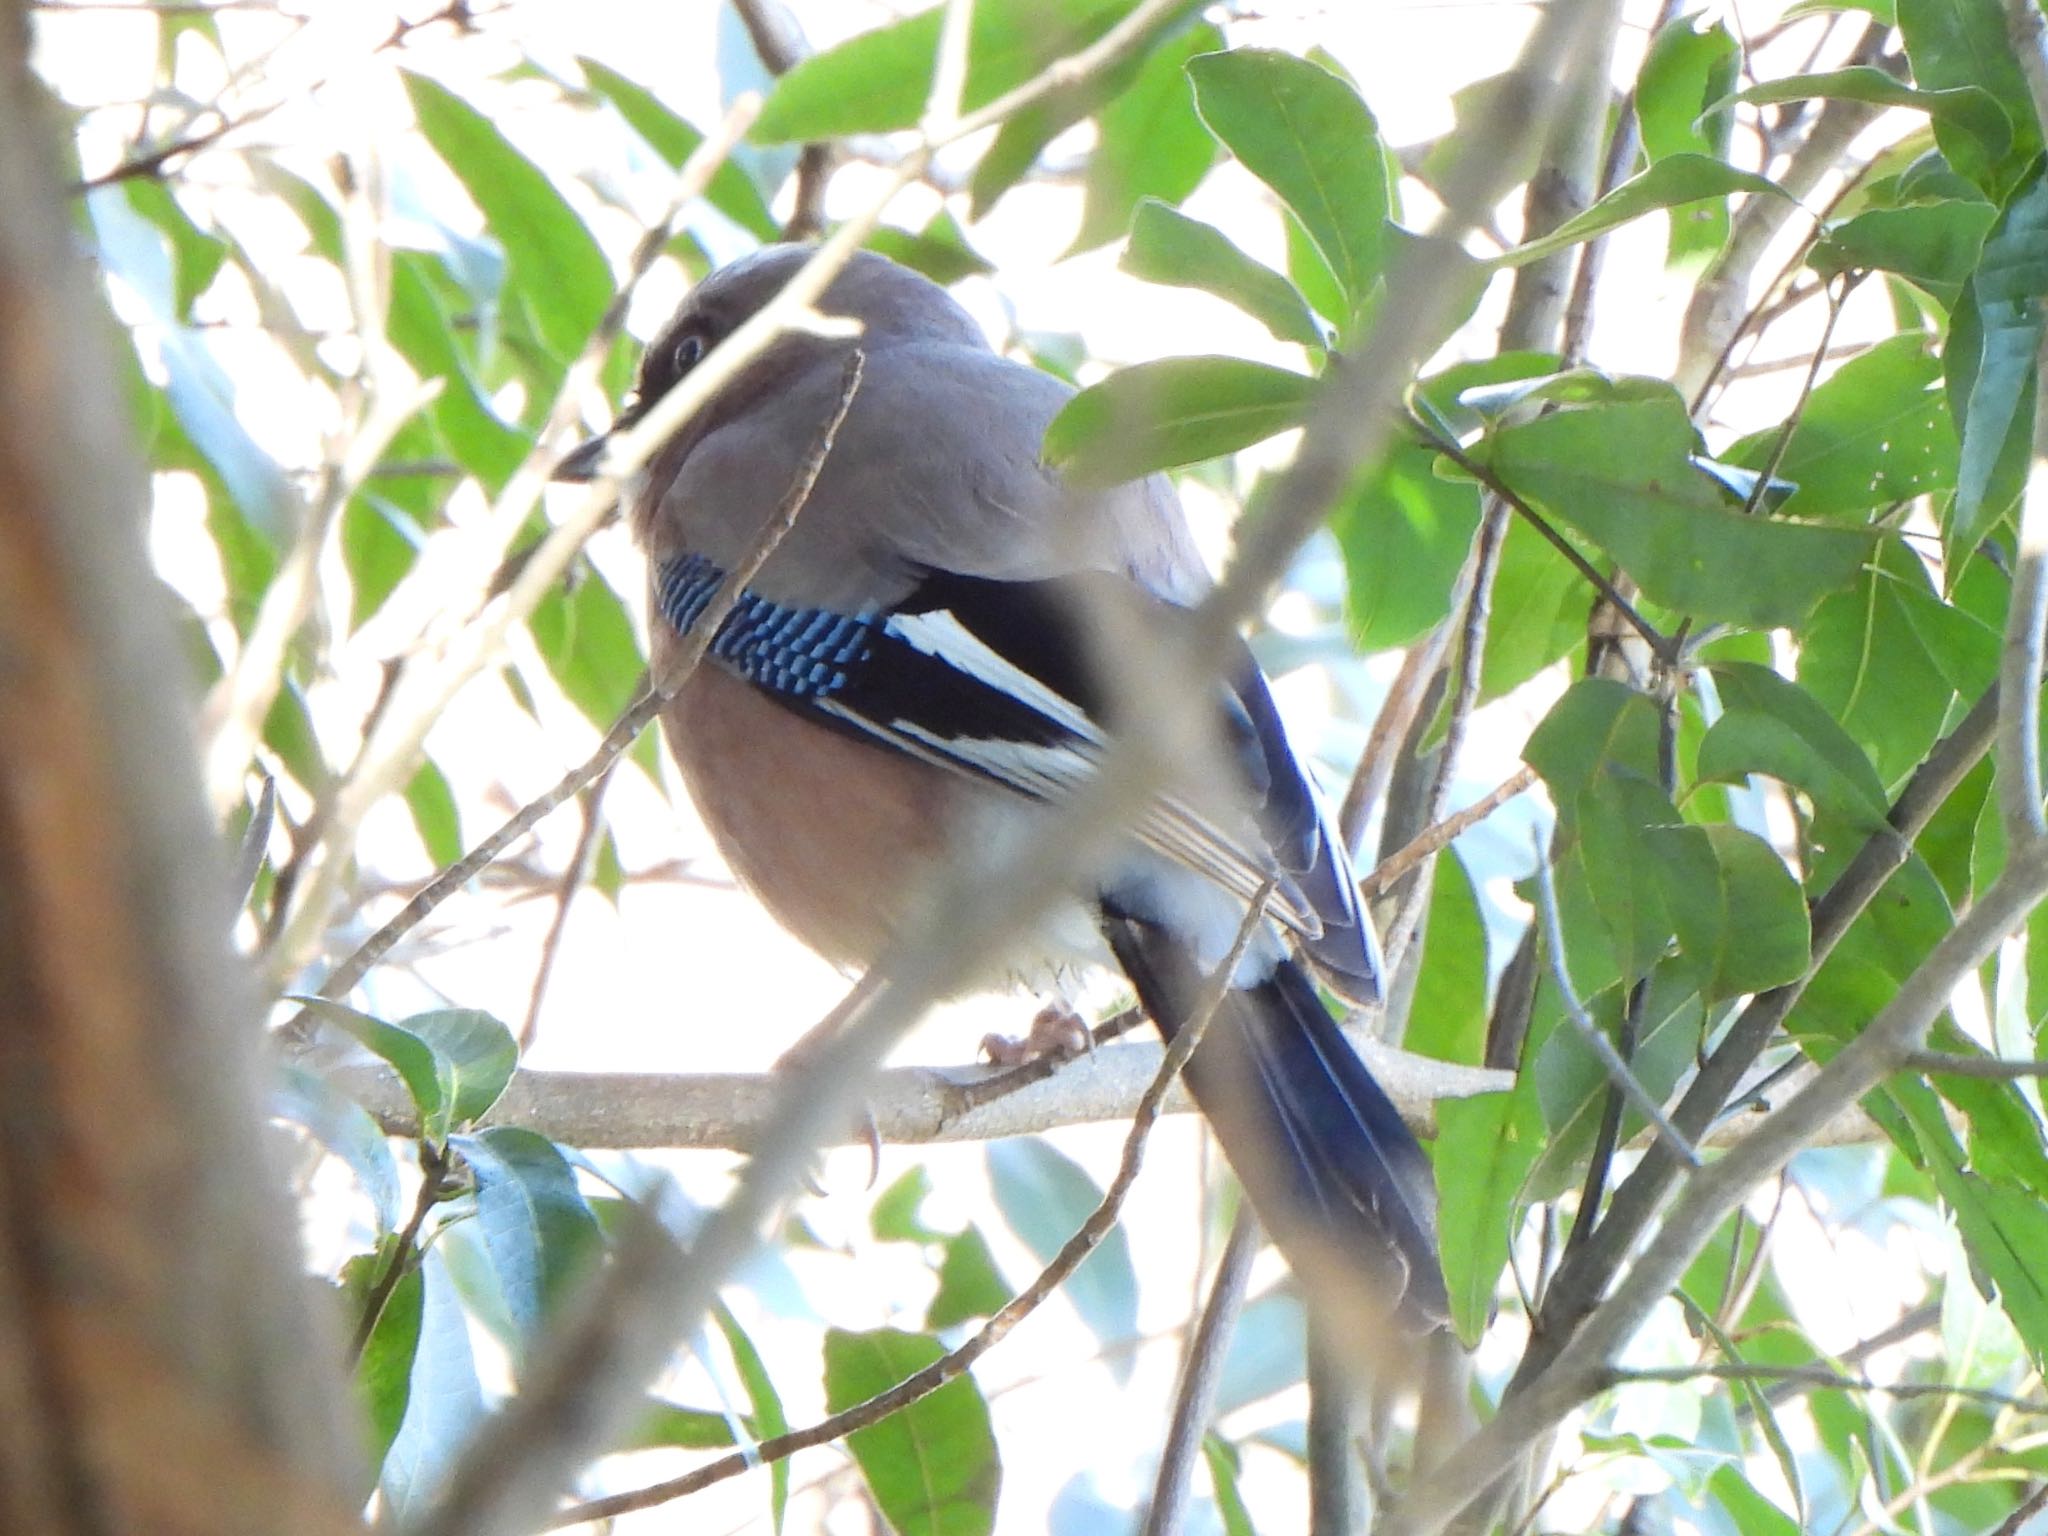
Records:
x=162, y=1366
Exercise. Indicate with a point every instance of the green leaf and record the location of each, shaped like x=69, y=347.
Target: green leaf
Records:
x=671, y=1426
x=1748, y=1510
x=1166, y=246
x=1740, y=916
x=1447, y=1019
x=1679, y=91
x=383, y=1372
x=769, y=1418
x=551, y=259
x=1221, y=1457
x=434, y=813
x=932, y=1467
x=445, y=1404
x=1179, y=410
x=344, y=1128
x=1773, y=726
x=538, y=1230
x=1975, y=131
x=1622, y=474
x=1674, y=182
x=2004, y=1228
x=1613, y=819
x=428, y=1076
x=895, y=1218
x=1862, y=658
x=1149, y=142
x=970, y=1284
x=379, y=544
x=1599, y=721
x=1961, y=44
x=730, y=192
x=1484, y=1149
x=1874, y=432
x=1405, y=531
x=1679, y=108
x=1306, y=134
x=480, y=1052
x=2011, y=278
x=1045, y=1195
x=1933, y=244
x=196, y=256
x=588, y=642
x=880, y=81
x=423, y=331
x=940, y=250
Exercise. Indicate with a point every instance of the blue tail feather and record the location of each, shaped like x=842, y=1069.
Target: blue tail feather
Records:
x=1329, y=1164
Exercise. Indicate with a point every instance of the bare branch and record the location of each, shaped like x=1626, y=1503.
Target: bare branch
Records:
x=1715, y=1192
x=1076, y=1248
x=1194, y=1402
x=907, y=1105
x=1444, y=833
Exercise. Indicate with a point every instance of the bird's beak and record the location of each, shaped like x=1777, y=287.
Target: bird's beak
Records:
x=581, y=463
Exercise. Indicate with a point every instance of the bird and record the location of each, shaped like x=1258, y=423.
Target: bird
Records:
x=919, y=663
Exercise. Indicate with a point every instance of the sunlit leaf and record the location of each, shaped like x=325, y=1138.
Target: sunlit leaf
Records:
x=1306, y=134
x=769, y=1418
x=383, y=1371
x=538, y=1230
x=555, y=264
x=1149, y=142
x=1179, y=410
x=1622, y=474
x=932, y=1467
x=880, y=81
x=1674, y=182
x=1958, y=45
x=1166, y=246
x=480, y=1052
x=344, y=1128
x=1975, y=131
x=970, y=1283
x=730, y=192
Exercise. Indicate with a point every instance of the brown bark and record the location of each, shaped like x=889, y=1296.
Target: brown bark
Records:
x=162, y=1366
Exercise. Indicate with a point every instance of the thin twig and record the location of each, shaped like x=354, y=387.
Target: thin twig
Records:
x=1444, y=833
x=951, y=1366
x=1412, y=891
x=574, y=874
x=405, y=1251
x=1582, y=1281
x=1390, y=728
x=1951, y=1064
x=420, y=692
x=2029, y=1507
x=1653, y=637
x=1618, y=1071
x=1194, y=1402
x=1714, y=1193
x=629, y=725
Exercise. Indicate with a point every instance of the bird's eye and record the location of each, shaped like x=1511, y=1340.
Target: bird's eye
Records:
x=688, y=349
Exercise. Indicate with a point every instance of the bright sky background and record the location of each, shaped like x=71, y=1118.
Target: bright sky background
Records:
x=690, y=975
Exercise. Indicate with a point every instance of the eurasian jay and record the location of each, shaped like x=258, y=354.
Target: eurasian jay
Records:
x=916, y=664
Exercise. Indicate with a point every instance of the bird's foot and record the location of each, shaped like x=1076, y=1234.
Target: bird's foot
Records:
x=1058, y=1032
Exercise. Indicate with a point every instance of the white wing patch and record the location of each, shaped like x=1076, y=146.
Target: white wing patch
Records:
x=1170, y=827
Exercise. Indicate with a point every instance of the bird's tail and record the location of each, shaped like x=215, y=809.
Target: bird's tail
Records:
x=1333, y=1172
